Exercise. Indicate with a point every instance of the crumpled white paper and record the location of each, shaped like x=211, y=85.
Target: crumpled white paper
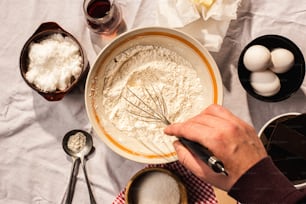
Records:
x=176, y=13
x=207, y=22
x=219, y=10
x=210, y=21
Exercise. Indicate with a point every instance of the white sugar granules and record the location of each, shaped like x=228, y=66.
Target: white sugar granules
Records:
x=54, y=63
x=157, y=188
x=148, y=66
x=76, y=142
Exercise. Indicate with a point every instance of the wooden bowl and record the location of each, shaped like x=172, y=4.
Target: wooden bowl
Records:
x=135, y=183
x=42, y=32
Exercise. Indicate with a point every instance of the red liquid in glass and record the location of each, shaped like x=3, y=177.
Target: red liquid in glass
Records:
x=98, y=8
x=104, y=18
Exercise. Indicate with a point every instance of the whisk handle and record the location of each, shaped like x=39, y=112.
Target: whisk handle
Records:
x=204, y=154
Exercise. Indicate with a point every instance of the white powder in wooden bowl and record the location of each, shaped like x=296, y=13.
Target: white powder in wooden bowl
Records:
x=54, y=63
x=157, y=188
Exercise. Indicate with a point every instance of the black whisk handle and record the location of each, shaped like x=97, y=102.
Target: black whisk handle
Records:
x=204, y=154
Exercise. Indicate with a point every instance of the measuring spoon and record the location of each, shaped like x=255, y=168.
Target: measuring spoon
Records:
x=80, y=155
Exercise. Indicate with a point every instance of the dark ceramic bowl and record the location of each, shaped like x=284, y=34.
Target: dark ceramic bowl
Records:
x=291, y=165
x=42, y=32
x=290, y=81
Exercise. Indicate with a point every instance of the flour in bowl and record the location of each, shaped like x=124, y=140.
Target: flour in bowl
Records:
x=54, y=63
x=162, y=72
x=76, y=142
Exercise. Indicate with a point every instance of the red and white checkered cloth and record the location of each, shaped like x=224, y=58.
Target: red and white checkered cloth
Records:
x=198, y=191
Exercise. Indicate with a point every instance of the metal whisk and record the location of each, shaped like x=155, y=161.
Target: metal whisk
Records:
x=157, y=113
x=151, y=107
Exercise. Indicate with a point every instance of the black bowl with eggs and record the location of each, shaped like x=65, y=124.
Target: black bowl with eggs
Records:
x=290, y=81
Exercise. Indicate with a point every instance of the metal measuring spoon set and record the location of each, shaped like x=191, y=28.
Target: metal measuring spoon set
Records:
x=77, y=144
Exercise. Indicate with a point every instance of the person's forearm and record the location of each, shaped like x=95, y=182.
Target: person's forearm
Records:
x=264, y=183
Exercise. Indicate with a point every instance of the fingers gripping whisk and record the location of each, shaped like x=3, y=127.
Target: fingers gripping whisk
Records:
x=149, y=105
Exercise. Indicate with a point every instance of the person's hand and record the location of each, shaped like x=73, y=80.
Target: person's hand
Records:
x=229, y=138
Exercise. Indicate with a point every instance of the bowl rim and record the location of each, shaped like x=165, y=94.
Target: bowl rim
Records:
x=274, y=119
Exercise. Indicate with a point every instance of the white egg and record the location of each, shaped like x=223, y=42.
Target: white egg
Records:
x=265, y=83
x=282, y=60
x=257, y=58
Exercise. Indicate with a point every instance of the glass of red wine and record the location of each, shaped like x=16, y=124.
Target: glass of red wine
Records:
x=104, y=19
x=103, y=16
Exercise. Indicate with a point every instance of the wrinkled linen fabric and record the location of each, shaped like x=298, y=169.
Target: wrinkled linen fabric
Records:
x=33, y=166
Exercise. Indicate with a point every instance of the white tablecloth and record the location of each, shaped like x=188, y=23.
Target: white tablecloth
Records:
x=33, y=165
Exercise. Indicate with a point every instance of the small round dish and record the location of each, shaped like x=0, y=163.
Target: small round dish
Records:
x=293, y=169
x=290, y=81
x=158, y=182
x=43, y=31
